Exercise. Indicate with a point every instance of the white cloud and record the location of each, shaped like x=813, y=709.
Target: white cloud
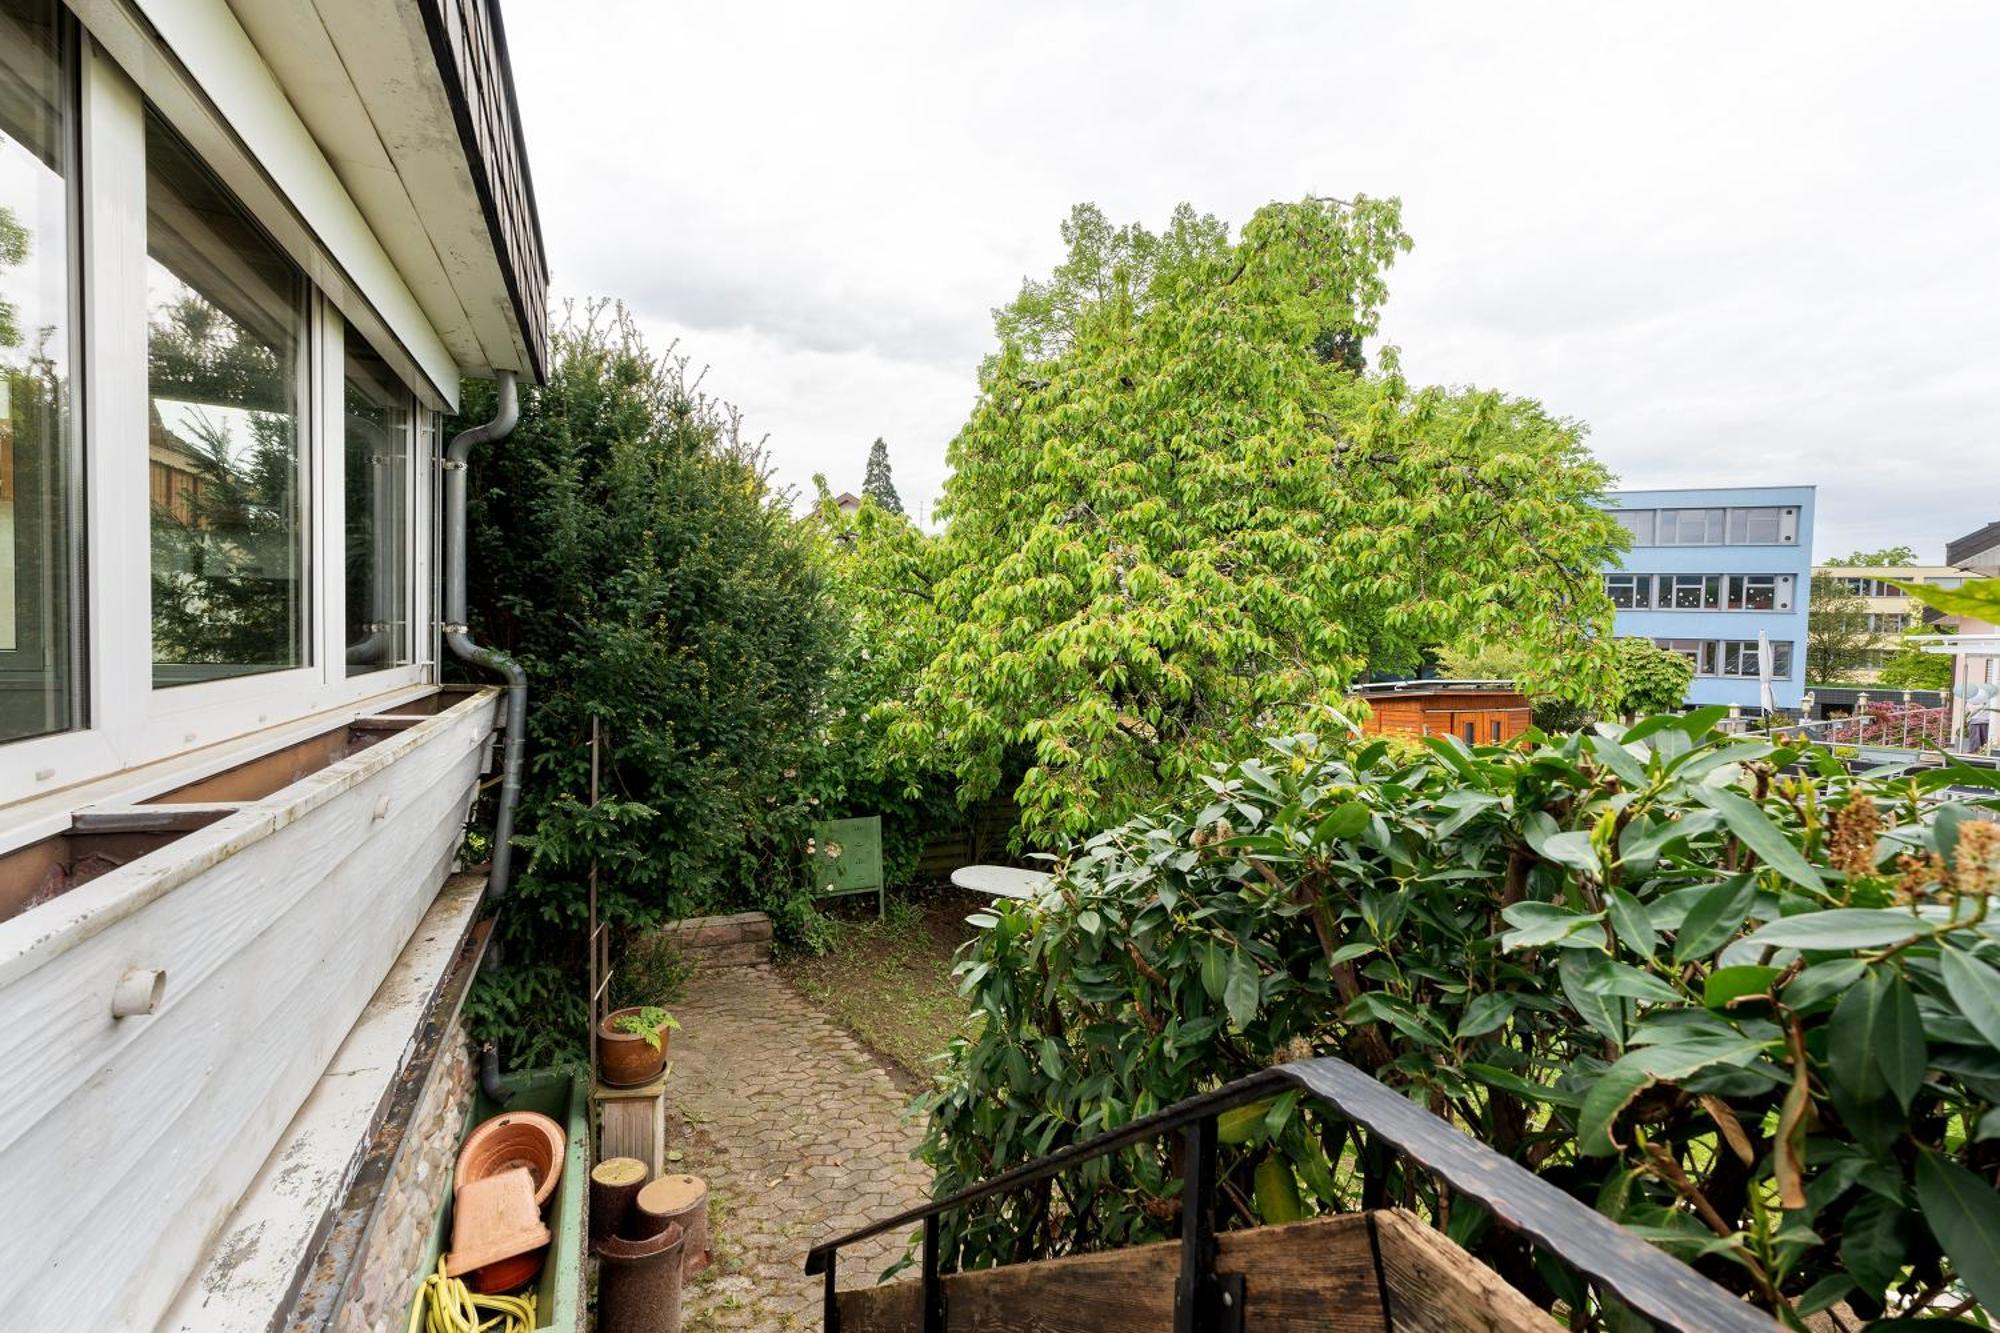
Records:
x=1745, y=243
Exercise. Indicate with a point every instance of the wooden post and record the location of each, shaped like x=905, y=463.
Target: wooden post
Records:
x=632, y=1122
x=614, y=1183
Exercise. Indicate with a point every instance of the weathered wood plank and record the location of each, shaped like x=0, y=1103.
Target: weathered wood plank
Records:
x=1317, y=1275
x=1652, y=1281
x=272, y=946
x=162, y=818
x=1433, y=1286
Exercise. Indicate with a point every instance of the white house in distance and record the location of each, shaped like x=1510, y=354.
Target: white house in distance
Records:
x=1974, y=647
x=248, y=248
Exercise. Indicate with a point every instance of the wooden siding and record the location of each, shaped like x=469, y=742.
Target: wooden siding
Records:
x=470, y=44
x=1495, y=716
x=126, y=1143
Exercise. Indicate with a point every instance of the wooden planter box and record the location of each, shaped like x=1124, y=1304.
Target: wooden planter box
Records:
x=1374, y=1272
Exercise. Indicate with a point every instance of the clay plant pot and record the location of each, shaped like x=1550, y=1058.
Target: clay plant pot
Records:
x=626, y=1059
x=494, y=1219
x=509, y=1274
x=639, y=1284
x=515, y=1139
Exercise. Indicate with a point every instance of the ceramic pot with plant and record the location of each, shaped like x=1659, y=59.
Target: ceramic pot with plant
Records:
x=632, y=1044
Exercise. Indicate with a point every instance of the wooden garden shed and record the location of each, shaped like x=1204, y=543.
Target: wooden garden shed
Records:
x=1478, y=712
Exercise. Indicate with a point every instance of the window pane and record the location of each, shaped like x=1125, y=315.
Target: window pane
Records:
x=1638, y=522
x=1760, y=592
x=1781, y=660
x=37, y=666
x=377, y=506
x=225, y=313
x=1760, y=527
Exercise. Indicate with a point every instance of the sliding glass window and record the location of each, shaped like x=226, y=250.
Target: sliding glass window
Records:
x=38, y=639
x=378, y=511
x=226, y=315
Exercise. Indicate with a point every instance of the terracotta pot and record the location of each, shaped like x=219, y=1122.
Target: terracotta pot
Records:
x=639, y=1284
x=494, y=1219
x=626, y=1059
x=509, y=1274
x=517, y=1138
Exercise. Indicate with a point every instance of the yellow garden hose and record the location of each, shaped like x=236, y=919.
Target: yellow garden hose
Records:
x=446, y=1305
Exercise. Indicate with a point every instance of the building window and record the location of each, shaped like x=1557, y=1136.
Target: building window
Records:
x=1882, y=622
x=1496, y=733
x=1739, y=658
x=226, y=314
x=1690, y=592
x=377, y=499
x=1701, y=652
x=1637, y=522
x=1760, y=592
x=1691, y=527
x=38, y=559
x=1629, y=592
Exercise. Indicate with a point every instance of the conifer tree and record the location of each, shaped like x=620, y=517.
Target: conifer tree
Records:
x=875, y=483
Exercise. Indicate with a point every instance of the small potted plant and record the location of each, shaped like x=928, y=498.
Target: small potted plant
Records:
x=632, y=1044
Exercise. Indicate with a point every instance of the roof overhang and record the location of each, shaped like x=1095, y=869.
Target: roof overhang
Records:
x=412, y=104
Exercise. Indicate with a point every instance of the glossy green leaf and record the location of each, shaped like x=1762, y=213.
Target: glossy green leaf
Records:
x=1974, y=986
x=1756, y=831
x=1963, y=1212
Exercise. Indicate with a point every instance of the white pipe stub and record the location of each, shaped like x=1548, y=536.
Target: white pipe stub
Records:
x=138, y=992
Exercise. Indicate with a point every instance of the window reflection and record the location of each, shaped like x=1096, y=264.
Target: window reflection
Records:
x=37, y=642
x=226, y=314
x=377, y=458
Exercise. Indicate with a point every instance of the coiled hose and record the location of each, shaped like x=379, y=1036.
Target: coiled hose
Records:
x=447, y=1305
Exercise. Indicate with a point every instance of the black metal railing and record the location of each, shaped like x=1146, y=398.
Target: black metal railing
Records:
x=1649, y=1281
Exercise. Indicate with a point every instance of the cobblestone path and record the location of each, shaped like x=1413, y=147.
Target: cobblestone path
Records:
x=800, y=1134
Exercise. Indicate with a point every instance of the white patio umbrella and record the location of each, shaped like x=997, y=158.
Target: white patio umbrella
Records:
x=1770, y=698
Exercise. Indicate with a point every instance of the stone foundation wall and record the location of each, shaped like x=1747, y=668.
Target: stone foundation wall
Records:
x=742, y=939
x=385, y=1281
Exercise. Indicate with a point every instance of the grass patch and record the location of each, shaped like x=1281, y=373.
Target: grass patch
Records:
x=888, y=979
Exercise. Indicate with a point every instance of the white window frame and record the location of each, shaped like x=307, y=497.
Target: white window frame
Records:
x=127, y=722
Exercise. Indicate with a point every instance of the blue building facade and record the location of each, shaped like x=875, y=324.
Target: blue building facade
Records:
x=1709, y=568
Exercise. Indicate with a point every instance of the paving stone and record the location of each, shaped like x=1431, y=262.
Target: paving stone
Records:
x=800, y=1134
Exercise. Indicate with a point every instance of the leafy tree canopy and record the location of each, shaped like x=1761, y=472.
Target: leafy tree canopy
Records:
x=1914, y=669
x=875, y=484
x=1888, y=555
x=1650, y=678
x=1180, y=511
x=1837, y=634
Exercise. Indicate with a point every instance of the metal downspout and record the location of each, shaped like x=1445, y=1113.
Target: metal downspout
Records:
x=499, y=428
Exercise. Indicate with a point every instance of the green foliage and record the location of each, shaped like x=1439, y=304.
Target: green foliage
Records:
x=628, y=551
x=649, y=969
x=16, y=242
x=1887, y=557
x=1837, y=634
x=876, y=484
x=1740, y=1000
x=1911, y=668
x=1978, y=599
x=1651, y=679
x=1180, y=512
x=649, y=1023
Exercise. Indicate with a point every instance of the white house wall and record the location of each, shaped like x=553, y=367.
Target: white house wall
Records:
x=132, y=1140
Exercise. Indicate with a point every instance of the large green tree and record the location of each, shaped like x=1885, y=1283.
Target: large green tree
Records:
x=1182, y=510
x=1888, y=555
x=1837, y=634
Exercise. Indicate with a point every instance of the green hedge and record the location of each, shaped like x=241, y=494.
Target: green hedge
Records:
x=1738, y=999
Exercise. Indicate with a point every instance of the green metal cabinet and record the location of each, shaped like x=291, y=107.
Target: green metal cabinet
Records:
x=846, y=858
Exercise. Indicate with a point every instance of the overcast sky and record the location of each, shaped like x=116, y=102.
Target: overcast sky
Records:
x=1747, y=244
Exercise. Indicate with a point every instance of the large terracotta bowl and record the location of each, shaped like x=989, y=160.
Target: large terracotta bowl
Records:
x=626, y=1059
x=514, y=1138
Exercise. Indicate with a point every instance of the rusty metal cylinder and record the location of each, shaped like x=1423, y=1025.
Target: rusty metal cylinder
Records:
x=614, y=1183
x=639, y=1283
x=674, y=1201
